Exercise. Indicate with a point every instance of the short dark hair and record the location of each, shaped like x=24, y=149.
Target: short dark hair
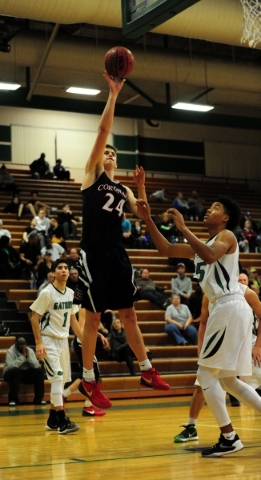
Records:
x=57, y=262
x=232, y=209
x=111, y=146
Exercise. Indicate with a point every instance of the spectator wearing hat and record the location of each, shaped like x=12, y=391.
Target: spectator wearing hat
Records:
x=254, y=278
x=54, y=249
x=181, y=284
x=60, y=172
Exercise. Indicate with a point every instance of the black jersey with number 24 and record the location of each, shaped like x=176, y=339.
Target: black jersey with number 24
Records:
x=103, y=204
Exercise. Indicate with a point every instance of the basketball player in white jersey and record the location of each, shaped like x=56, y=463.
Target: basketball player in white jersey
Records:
x=225, y=353
x=197, y=400
x=53, y=314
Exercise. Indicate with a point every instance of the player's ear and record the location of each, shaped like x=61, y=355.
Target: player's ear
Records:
x=226, y=218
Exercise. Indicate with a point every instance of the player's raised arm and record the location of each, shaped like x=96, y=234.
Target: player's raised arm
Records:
x=179, y=250
x=94, y=164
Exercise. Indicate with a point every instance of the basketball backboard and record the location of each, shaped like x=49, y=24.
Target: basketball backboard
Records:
x=141, y=16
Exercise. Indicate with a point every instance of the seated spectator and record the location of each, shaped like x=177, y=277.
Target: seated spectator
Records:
x=7, y=183
x=40, y=168
x=28, y=230
x=119, y=348
x=139, y=240
x=251, y=236
x=73, y=258
x=22, y=366
x=44, y=267
x=35, y=204
x=248, y=216
x=30, y=256
x=127, y=237
x=159, y=196
x=16, y=207
x=9, y=259
x=54, y=249
x=197, y=202
x=55, y=232
x=254, y=278
x=241, y=240
x=4, y=231
x=73, y=278
x=68, y=223
x=178, y=323
x=181, y=284
x=50, y=279
x=148, y=290
x=42, y=226
x=60, y=172
x=183, y=207
x=167, y=227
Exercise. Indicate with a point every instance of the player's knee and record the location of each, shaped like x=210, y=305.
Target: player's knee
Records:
x=128, y=316
x=205, y=377
x=56, y=391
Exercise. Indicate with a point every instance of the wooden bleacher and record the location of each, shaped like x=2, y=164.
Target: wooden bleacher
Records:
x=177, y=364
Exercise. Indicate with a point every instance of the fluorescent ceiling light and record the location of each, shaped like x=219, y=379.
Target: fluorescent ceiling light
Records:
x=192, y=106
x=9, y=86
x=83, y=91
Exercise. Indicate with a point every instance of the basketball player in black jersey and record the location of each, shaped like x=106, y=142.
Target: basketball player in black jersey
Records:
x=106, y=279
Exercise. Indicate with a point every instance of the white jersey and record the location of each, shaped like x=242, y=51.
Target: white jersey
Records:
x=221, y=277
x=55, y=308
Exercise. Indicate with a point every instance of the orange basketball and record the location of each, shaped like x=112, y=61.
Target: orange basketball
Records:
x=119, y=62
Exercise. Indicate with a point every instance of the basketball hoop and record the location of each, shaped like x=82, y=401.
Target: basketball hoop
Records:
x=252, y=22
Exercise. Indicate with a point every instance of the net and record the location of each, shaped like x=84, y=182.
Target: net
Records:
x=252, y=22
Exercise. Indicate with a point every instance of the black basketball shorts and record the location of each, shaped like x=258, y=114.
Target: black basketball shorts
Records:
x=106, y=279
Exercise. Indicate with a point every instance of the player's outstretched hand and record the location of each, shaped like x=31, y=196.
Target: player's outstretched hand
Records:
x=115, y=84
x=177, y=218
x=139, y=175
x=143, y=209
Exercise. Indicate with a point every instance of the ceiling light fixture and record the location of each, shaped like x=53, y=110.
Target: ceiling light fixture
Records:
x=192, y=107
x=9, y=86
x=83, y=91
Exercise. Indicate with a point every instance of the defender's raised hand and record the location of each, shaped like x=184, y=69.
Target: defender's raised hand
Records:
x=177, y=218
x=143, y=209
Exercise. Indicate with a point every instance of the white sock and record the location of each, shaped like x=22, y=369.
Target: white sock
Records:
x=192, y=421
x=88, y=375
x=229, y=435
x=67, y=392
x=145, y=365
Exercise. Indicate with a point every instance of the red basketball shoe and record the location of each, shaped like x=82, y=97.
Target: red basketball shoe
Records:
x=92, y=412
x=151, y=378
x=92, y=391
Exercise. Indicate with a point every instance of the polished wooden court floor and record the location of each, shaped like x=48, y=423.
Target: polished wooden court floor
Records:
x=134, y=440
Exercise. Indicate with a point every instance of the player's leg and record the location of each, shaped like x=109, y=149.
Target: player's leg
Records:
x=89, y=386
x=214, y=394
x=149, y=377
x=190, y=432
x=88, y=409
x=242, y=391
x=57, y=367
